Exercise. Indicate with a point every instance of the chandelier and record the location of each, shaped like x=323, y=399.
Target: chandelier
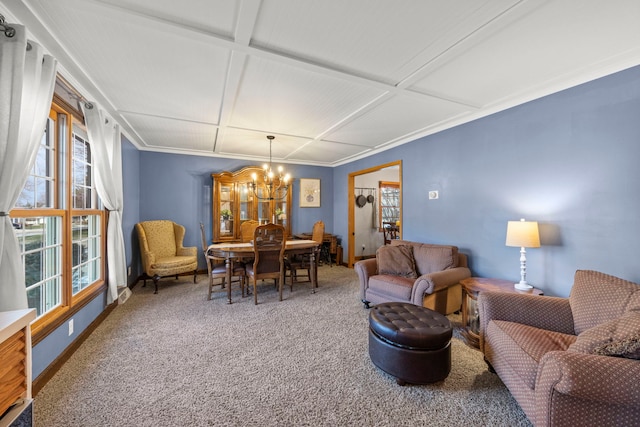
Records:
x=275, y=186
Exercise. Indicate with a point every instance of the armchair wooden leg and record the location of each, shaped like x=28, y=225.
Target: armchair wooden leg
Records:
x=195, y=275
x=155, y=283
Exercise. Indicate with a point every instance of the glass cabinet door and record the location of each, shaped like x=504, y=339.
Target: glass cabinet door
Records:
x=226, y=209
x=281, y=212
x=246, y=202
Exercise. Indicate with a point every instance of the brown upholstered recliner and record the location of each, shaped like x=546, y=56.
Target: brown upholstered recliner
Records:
x=162, y=252
x=419, y=273
x=556, y=355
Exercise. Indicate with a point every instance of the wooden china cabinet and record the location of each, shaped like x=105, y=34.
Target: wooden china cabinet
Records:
x=235, y=202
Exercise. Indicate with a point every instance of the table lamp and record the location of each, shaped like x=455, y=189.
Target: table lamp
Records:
x=524, y=234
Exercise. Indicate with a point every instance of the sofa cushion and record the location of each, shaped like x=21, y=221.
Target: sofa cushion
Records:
x=396, y=261
x=611, y=338
x=431, y=258
x=597, y=298
x=395, y=288
x=525, y=345
x=628, y=347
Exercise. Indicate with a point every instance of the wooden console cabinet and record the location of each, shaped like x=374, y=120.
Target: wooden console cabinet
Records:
x=235, y=202
x=471, y=288
x=15, y=369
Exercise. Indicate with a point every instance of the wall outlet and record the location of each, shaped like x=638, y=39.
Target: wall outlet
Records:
x=363, y=247
x=433, y=194
x=70, y=327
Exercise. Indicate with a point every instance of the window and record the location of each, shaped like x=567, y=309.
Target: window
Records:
x=86, y=235
x=389, y=202
x=59, y=223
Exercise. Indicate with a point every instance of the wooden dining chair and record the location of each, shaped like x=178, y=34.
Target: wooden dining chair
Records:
x=303, y=262
x=268, y=263
x=390, y=232
x=247, y=229
x=217, y=270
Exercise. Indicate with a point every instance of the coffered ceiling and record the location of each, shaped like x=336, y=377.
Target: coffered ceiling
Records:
x=333, y=80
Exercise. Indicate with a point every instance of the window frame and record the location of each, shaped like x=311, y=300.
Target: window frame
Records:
x=63, y=207
x=381, y=185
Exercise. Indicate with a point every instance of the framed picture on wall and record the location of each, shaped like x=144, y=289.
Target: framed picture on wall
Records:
x=309, y=193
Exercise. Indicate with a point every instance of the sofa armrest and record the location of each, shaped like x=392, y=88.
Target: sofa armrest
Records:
x=148, y=260
x=365, y=269
x=595, y=378
x=188, y=251
x=544, y=312
x=433, y=282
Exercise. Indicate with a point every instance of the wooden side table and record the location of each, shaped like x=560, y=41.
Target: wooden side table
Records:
x=471, y=287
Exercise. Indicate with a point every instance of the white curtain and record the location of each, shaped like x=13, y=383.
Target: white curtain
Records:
x=27, y=78
x=104, y=137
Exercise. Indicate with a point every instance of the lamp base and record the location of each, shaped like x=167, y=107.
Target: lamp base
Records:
x=523, y=286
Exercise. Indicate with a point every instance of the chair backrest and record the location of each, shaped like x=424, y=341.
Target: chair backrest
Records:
x=597, y=298
x=268, y=248
x=247, y=229
x=390, y=232
x=317, y=235
x=158, y=237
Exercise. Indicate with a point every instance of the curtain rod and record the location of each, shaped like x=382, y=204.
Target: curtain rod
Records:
x=73, y=92
x=8, y=30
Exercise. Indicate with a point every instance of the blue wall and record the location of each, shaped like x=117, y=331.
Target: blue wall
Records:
x=131, y=212
x=48, y=350
x=178, y=188
x=568, y=161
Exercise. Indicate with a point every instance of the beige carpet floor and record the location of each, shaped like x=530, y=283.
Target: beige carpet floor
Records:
x=176, y=359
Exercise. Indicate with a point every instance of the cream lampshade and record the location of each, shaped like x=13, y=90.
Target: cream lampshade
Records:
x=525, y=235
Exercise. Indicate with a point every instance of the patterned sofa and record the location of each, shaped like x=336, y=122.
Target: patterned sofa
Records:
x=419, y=273
x=568, y=361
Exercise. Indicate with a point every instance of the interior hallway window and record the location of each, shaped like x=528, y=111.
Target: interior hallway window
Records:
x=389, y=202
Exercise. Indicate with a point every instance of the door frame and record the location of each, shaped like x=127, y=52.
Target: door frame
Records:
x=352, y=205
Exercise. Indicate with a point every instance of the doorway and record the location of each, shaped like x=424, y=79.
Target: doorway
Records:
x=370, y=173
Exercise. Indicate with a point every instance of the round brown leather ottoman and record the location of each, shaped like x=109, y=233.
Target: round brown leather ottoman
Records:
x=410, y=342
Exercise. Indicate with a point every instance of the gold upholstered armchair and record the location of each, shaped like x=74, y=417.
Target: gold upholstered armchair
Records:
x=162, y=252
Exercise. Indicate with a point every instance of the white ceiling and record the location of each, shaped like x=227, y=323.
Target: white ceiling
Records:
x=333, y=80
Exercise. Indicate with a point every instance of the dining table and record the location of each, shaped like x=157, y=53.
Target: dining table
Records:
x=234, y=251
